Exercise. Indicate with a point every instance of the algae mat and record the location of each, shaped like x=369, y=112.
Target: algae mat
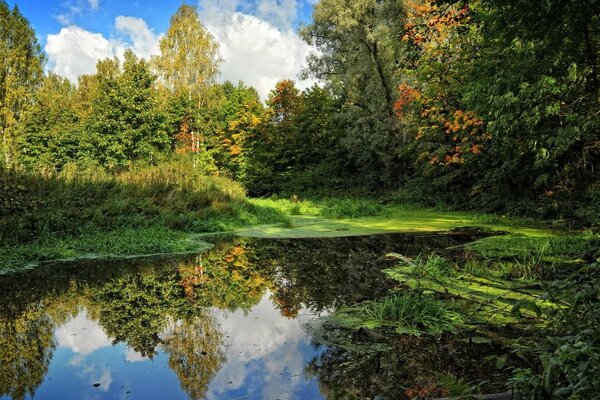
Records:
x=397, y=221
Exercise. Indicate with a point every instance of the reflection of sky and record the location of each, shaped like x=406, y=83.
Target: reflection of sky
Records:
x=266, y=356
x=265, y=359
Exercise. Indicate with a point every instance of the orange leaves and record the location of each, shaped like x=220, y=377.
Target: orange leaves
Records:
x=406, y=95
x=463, y=121
x=429, y=25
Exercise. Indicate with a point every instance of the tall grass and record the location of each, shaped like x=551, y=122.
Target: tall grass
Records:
x=89, y=210
x=35, y=206
x=351, y=208
x=411, y=314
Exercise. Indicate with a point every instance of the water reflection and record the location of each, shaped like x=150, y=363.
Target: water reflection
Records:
x=228, y=323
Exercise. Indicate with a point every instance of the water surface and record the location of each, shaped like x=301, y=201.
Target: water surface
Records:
x=237, y=322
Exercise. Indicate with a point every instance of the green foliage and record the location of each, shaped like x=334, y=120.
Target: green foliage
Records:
x=51, y=129
x=125, y=124
x=569, y=355
x=21, y=70
x=351, y=208
x=189, y=56
x=407, y=314
x=141, y=211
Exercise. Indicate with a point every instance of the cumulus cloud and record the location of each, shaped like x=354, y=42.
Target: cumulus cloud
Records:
x=75, y=51
x=258, y=51
x=280, y=13
x=264, y=353
x=82, y=335
x=143, y=40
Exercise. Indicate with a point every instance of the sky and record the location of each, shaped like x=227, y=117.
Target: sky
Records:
x=258, y=39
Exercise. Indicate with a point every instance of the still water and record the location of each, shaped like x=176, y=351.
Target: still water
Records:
x=240, y=321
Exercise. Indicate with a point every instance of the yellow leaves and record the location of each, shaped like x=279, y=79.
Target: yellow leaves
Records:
x=254, y=121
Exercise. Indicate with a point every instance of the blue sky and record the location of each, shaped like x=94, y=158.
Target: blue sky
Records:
x=75, y=33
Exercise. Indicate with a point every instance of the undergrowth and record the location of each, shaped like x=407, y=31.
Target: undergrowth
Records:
x=147, y=209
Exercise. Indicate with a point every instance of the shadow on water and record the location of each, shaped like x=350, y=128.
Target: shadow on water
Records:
x=234, y=322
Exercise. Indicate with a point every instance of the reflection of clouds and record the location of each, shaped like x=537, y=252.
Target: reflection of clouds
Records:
x=105, y=380
x=264, y=353
x=133, y=356
x=81, y=334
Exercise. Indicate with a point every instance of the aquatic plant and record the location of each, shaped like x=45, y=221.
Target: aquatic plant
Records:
x=410, y=314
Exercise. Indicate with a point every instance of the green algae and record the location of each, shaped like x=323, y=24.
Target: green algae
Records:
x=396, y=220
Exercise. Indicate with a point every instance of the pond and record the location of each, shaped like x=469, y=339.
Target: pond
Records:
x=240, y=321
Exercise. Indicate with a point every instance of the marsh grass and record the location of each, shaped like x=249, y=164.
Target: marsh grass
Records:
x=410, y=314
x=351, y=208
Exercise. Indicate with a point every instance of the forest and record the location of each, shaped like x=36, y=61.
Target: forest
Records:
x=427, y=115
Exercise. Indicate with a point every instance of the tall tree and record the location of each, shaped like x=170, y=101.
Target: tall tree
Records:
x=187, y=66
x=49, y=131
x=359, y=49
x=125, y=124
x=538, y=89
x=189, y=56
x=21, y=70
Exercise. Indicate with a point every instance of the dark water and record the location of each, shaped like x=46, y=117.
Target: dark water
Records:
x=237, y=322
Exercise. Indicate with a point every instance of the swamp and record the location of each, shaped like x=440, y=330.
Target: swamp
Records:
x=300, y=199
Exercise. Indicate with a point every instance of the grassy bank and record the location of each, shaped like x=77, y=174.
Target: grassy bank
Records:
x=150, y=210
x=145, y=210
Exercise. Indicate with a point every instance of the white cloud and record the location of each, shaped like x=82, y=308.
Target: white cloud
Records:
x=75, y=51
x=280, y=13
x=133, y=356
x=82, y=335
x=254, y=50
x=94, y=4
x=143, y=40
x=261, y=343
x=73, y=8
x=259, y=49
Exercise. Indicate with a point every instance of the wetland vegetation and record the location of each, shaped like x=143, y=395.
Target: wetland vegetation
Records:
x=424, y=223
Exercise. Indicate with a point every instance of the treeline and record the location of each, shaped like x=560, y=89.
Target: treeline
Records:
x=481, y=104
x=475, y=104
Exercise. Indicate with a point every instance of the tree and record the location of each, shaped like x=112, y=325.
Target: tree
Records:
x=195, y=348
x=125, y=124
x=21, y=70
x=358, y=56
x=241, y=114
x=50, y=129
x=537, y=89
x=189, y=59
x=187, y=67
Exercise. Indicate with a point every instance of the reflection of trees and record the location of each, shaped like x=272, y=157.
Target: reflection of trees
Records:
x=134, y=302
x=323, y=273
x=26, y=346
x=403, y=368
x=224, y=278
x=195, y=352
x=134, y=308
